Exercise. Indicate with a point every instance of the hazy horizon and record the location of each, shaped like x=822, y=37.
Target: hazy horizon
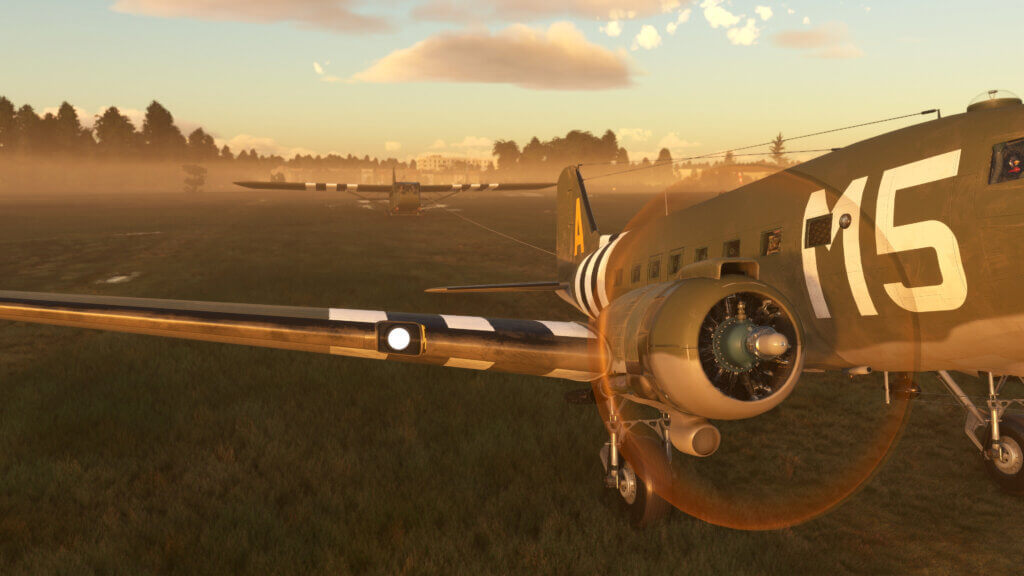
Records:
x=415, y=77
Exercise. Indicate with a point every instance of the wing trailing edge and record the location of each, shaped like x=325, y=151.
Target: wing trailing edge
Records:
x=552, y=286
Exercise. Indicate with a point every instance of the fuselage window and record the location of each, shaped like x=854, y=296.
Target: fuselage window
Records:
x=819, y=231
x=634, y=275
x=654, y=268
x=771, y=242
x=701, y=254
x=1007, y=161
x=731, y=249
x=675, y=262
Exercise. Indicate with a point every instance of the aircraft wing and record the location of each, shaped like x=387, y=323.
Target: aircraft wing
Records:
x=316, y=186
x=564, y=350
x=481, y=187
x=454, y=189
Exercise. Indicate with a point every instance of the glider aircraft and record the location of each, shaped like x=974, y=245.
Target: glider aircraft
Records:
x=903, y=253
x=404, y=198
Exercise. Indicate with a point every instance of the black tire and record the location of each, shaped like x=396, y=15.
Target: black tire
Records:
x=1009, y=475
x=647, y=508
x=642, y=504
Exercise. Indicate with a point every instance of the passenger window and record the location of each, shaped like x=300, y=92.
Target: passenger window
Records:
x=819, y=231
x=654, y=268
x=701, y=254
x=771, y=242
x=1007, y=161
x=731, y=249
x=635, y=274
x=675, y=261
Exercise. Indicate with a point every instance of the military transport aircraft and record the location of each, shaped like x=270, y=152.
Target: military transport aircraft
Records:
x=404, y=198
x=903, y=253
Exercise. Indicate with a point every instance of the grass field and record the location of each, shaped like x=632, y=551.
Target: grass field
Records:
x=124, y=454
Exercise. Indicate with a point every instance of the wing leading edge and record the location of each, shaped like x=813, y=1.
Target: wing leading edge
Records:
x=564, y=350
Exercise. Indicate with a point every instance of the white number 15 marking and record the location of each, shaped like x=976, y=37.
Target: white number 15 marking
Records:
x=949, y=294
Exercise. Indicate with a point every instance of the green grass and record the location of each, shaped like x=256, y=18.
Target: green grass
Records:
x=125, y=454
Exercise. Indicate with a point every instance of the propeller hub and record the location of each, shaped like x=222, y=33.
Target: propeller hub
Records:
x=766, y=343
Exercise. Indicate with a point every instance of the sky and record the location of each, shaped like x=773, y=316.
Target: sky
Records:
x=403, y=78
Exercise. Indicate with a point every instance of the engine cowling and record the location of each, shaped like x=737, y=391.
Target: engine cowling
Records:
x=724, y=349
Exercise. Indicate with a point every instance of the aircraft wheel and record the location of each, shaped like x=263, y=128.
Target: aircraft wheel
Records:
x=1008, y=471
x=642, y=504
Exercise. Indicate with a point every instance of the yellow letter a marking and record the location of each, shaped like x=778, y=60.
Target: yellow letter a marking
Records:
x=577, y=247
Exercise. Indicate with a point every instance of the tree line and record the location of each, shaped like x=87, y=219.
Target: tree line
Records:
x=577, y=146
x=113, y=135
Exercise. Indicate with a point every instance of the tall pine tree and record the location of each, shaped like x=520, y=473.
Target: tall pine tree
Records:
x=163, y=140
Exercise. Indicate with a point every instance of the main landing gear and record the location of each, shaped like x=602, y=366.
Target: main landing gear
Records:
x=636, y=462
x=1001, y=441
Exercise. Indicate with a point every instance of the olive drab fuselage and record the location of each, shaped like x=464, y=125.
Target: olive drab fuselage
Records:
x=897, y=252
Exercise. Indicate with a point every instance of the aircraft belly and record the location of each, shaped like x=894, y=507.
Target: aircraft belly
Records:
x=986, y=344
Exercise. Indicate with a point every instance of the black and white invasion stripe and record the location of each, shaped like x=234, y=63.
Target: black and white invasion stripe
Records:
x=589, y=285
x=330, y=186
x=544, y=348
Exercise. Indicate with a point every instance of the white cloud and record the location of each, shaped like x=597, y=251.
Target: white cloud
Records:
x=745, y=36
x=330, y=14
x=262, y=144
x=480, y=11
x=830, y=40
x=560, y=58
x=392, y=146
x=648, y=38
x=684, y=17
x=717, y=16
x=765, y=12
x=613, y=29
x=468, y=147
x=474, y=142
x=678, y=147
x=673, y=142
x=634, y=134
x=807, y=19
x=790, y=11
x=318, y=69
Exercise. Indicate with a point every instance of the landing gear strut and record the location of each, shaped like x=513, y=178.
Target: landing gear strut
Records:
x=649, y=460
x=1001, y=442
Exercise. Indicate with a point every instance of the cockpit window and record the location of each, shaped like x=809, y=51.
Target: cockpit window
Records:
x=1007, y=161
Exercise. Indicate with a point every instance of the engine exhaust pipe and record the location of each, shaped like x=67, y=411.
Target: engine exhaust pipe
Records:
x=694, y=435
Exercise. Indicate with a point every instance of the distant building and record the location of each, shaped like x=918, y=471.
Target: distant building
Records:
x=439, y=163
